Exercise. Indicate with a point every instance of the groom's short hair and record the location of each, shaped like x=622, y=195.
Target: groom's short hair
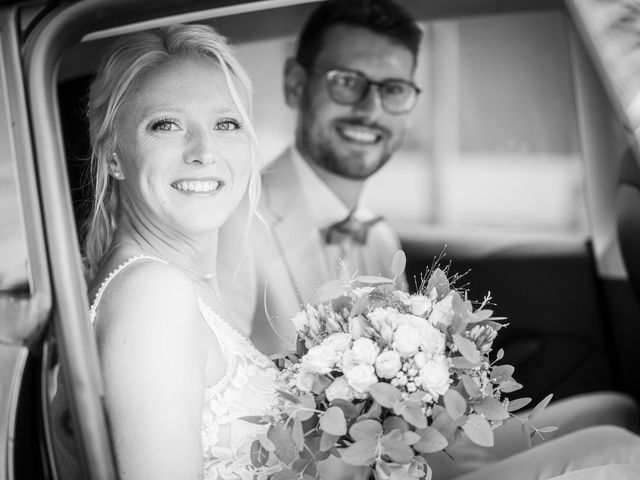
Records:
x=383, y=17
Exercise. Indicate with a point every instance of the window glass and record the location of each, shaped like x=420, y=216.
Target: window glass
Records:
x=494, y=138
x=13, y=246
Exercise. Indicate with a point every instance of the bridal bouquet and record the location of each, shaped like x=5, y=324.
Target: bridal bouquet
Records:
x=382, y=377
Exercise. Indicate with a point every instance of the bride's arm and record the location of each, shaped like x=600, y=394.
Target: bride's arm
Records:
x=153, y=351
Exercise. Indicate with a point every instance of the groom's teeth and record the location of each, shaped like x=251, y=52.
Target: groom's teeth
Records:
x=208, y=186
x=359, y=135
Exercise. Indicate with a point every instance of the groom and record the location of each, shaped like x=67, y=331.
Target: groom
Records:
x=351, y=83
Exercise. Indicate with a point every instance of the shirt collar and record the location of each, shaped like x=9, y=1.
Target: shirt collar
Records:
x=326, y=207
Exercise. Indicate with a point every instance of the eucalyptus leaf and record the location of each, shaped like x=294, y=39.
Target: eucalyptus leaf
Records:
x=256, y=419
x=438, y=280
x=327, y=441
x=287, y=474
x=548, y=429
x=306, y=466
x=501, y=373
x=394, y=422
x=467, y=348
x=518, y=403
x=289, y=396
x=360, y=306
x=541, y=406
x=328, y=292
x=470, y=386
x=361, y=453
x=365, y=428
x=491, y=408
x=333, y=421
x=348, y=408
x=478, y=430
x=286, y=449
x=510, y=386
x=455, y=404
x=258, y=454
x=431, y=440
x=410, y=437
x=385, y=394
x=398, y=263
x=396, y=449
x=415, y=416
x=373, y=280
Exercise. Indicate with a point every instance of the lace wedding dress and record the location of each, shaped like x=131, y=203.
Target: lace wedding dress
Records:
x=248, y=387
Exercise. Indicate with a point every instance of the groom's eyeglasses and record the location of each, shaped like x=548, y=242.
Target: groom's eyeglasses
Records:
x=348, y=87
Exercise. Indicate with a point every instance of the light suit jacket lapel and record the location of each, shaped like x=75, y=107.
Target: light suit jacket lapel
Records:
x=296, y=240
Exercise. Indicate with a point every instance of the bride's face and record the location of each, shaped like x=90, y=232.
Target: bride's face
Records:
x=184, y=152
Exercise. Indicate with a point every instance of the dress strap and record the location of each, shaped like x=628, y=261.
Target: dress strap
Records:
x=111, y=276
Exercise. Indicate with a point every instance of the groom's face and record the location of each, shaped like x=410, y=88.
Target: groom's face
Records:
x=356, y=140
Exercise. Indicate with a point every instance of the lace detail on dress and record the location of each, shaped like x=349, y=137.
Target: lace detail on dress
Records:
x=248, y=387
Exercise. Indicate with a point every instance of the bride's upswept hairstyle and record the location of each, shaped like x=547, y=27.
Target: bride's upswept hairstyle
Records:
x=129, y=60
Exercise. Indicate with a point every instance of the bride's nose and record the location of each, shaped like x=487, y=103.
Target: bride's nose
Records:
x=201, y=147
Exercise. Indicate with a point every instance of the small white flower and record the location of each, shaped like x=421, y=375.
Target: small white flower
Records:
x=388, y=364
x=406, y=340
x=364, y=351
x=361, y=377
x=340, y=389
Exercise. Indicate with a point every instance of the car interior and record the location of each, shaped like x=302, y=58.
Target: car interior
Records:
x=520, y=173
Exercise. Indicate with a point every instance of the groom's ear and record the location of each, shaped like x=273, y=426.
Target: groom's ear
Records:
x=294, y=80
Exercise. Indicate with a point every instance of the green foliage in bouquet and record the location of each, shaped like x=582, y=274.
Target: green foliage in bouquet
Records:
x=382, y=377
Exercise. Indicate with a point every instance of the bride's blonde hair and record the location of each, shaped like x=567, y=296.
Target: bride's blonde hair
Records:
x=129, y=60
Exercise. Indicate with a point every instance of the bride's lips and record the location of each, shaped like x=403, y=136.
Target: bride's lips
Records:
x=359, y=133
x=198, y=186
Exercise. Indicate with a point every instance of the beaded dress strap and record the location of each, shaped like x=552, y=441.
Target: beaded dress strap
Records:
x=111, y=276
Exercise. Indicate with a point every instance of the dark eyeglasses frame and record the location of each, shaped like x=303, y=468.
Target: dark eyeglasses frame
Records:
x=332, y=72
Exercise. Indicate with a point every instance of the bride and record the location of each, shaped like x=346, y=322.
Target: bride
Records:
x=173, y=156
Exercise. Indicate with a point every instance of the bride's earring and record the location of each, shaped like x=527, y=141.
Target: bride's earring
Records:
x=114, y=168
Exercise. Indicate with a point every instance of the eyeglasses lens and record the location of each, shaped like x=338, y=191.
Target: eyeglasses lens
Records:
x=348, y=88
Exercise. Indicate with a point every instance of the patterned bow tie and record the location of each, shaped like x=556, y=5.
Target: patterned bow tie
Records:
x=349, y=229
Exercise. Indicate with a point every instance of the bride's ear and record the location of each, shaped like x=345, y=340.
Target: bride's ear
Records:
x=294, y=79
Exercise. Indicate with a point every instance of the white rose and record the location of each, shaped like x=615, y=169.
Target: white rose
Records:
x=432, y=340
x=338, y=342
x=420, y=305
x=442, y=311
x=364, y=351
x=320, y=359
x=339, y=389
x=406, y=340
x=361, y=377
x=434, y=377
x=304, y=380
x=388, y=364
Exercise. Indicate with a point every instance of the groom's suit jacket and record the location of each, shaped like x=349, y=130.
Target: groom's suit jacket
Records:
x=292, y=263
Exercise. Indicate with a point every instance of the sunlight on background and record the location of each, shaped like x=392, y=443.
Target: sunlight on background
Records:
x=494, y=139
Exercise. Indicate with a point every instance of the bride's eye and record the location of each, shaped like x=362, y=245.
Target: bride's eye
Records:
x=227, y=124
x=165, y=125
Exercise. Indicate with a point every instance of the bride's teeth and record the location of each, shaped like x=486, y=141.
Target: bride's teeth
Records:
x=196, y=186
